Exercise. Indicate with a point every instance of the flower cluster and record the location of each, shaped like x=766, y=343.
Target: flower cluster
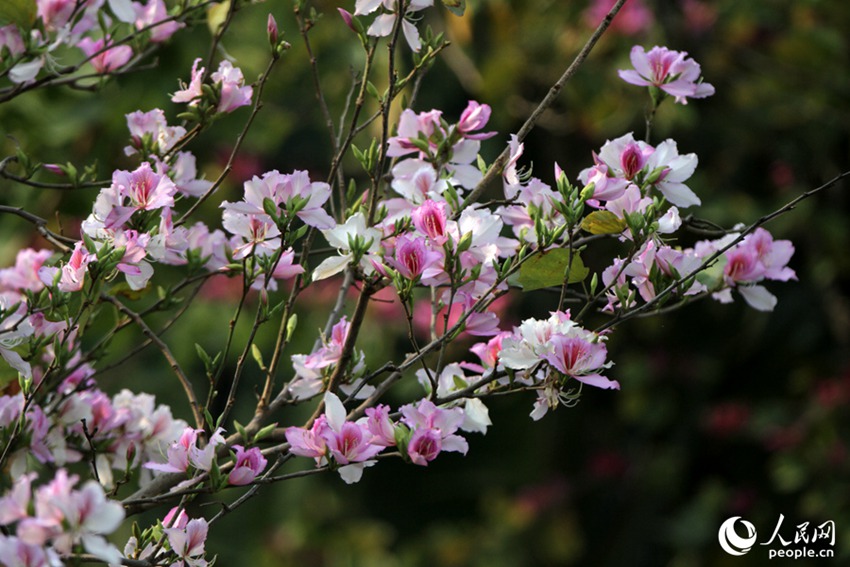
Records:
x=550, y=351
x=184, y=544
x=423, y=432
x=411, y=233
x=59, y=515
x=29, y=48
x=228, y=92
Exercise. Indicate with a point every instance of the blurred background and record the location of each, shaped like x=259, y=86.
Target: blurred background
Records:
x=724, y=411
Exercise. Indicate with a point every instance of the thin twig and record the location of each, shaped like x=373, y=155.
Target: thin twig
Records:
x=710, y=259
x=497, y=166
x=166, y=352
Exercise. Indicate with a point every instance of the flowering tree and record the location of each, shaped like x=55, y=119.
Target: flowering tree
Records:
x=399, y=216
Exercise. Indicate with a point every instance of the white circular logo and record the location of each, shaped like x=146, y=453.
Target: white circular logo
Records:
x=731, y=542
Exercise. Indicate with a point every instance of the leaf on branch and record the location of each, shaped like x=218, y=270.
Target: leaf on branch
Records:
x=603, y=222
x=549, y=268
x=19, y=12
x=456, y=7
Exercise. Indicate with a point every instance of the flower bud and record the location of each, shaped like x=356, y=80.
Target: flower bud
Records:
x=271, y=29
x=348, y=19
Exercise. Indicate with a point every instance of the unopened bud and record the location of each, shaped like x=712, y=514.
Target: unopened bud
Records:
x=54, y=168
x=271, y=29
x=348, y=19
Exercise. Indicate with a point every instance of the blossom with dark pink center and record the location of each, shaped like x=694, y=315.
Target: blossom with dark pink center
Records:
x=248, y=465
x=633, y=159
x=414, y=259
x=145, y=190
x=430, y=219
x=436, y=427
x=580, y=358
x=424, y=446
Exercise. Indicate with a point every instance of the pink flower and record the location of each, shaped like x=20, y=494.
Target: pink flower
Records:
x=10, y=38
x=413, y=258
x=349, y=443
x=202, y=459
x=773, y=254
x=285, y=190
x=73, y=272
x=416, y=180
x=412, y=126
x=424, y=446
x=308, y=442
x=192, y=92
x=580, y=358
x=434, y=422
x=474, y=117
x=15, y=552
x=25, y=274
x=188, y=542
x=108, y=60
x=248, y=465
x=380, y=425
x=743, y=265
x=430, y=219
x=605, y=188
x=489, y=352
x=152, y=124
x=233, y=92
x=55, y=13
x=633, y=159
x=177, y=453
x=136, y=270
x=284, y=269
x=671, y=71
x=150, y=16
x=257, y=233
x=145, y=190
x=510, y=175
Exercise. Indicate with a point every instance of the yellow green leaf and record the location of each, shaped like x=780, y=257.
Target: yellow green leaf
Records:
x=549, y=268
x=217, y=15
x=603, y=222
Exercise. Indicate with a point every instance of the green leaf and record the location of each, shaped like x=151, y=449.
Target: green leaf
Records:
x=258, y=356
x=603, y=222
x=548, y=269
x=19, y=12
x=264, y=432
x=456, y=7
x=217, y=15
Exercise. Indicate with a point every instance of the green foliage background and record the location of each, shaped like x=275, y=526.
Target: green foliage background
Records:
x=723, y=411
